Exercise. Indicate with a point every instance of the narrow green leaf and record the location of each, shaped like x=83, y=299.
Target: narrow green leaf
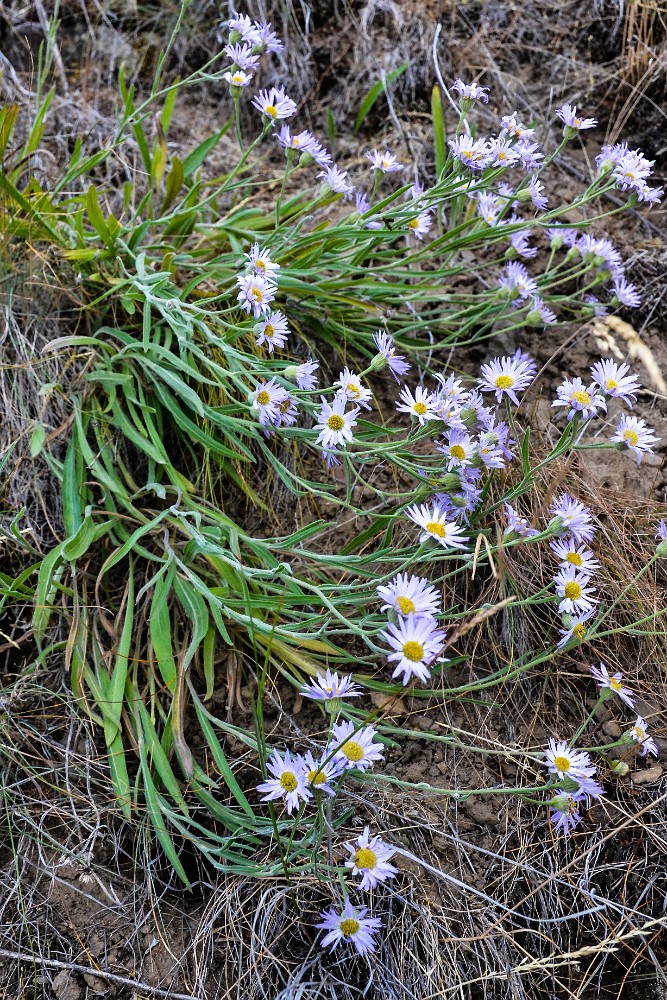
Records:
x=373, y=94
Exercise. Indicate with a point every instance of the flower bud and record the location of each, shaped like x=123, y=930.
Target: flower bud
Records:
x=619, y=767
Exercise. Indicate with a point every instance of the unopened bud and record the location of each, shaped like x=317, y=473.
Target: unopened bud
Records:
x=620, y=767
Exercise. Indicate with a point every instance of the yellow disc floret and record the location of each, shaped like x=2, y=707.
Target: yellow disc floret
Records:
x=353, y=751
x=561, y=763
x=289, y=781
x=504, y=382
x=413, y=651
x=335, y=422
x=572, y=590
x=349, y=927
x=406, y=606
x=365, y=858
x=263, y=398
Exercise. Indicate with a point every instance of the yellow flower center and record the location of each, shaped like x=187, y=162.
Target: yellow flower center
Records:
x=263, y=398
x=581, y=397
x=421, y=408
x=610, y=384
x=405, y=605
x=457, y=451
x=257, y=293
x=572, y=590
x=413, y=223
x=413, y=651
x=317, y=777
x=631, y=437
x=574, y=558
x=269, y=330
x=353, y=750
x=562, y=763
x=259, y=265
x=615, y=685
x=435, y=528
x=349, y=927
x=504, y=382
x=335, y=423
x=271, y=111
x=365, y=858
x=639, y=733
x=289, y=781
x=352, y=389
x=579, y=631
x=237, y=78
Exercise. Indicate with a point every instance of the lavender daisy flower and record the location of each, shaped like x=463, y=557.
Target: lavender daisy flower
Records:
x=512, y=127
x=631, y=169
x=259, y=262
x=416, y=642
x=505, y=376
x=519, y=241
x=518, y=525
x=650, y=195
x=574, y=627
x=434, y=524
x=600, y=252
x=351, y=925
x=352, y=389
x=385, y=162
x=256, y=293
x=639, y=733
x=268, y=39
x=473, y=153
x=517, y=282
x=422, y=404
x=334, y=424
x=274, y=104
x=420, y=225
x=568, y=115
x=535, y=188
x=354, y=747
x=272, y=331
x=575, y=518
x=410, y=595
x=242, y=56
x=530, y=156
x=287, y=782
x=319, y=153
x=610, y=155
x=502, y=153
x=335, y=178
x=614, y=380
x=488, y=207
x=370, y=858
x=582, y=401
x=395, y=362
x=661, y=533
x=632, y=433
x=565, y=762
x=625, y=293
x=238, y=78
x=267, y=399
x=245, y=27
x=288, y=413
x=572, y=586
x=471, y=91
x=564, y=811
x=304, y=374
x=329, y=685
x=540, y=314
x=300, y=141
x=489, y=452
x=459, y=449
x=320, y=774
x=613, y=684
x=571, y=552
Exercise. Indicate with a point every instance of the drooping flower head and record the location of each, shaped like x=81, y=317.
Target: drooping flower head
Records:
x=301, y=141
x=613, y=683
x=568, y=115
x=336, y=179
x=385, y=162
x=395, y=362
x=574, y=516
x=370, y=858
x=517, y=282
x=518, y=525
x=471, y=91
x=351, y=925
x=352, y=389
x=574, y=627
x=639, y=733
x=304, y=374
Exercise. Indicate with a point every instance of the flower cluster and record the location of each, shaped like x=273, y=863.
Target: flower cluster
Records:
x=297, y=780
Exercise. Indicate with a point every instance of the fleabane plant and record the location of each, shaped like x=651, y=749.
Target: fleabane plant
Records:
x=239, y=340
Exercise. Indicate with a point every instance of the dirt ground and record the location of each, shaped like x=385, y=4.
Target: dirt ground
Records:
x=82, y=894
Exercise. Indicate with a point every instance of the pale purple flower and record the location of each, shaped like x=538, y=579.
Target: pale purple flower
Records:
x=505, y=376
x=614, y=380
x=395, y=362
x=568, y=115
x=650, y=195
x=268, y=39
x=610, y=155
x=518, y=525
x=569, y=551
x=410, y=595
x=327, y=686
x=370, y=858
x=320, y=774
x=385, y=162
x=489, y=452
x=632, y=169
x=519, y=241
x=535, y=188
x=458, y=448
x=564, y=811
x=416, y=643
x=565, y=762
x=267, y=400
x=613, y=682
x=600, y=251
x=471, y=91
x=511, y=126
x=576, y=518
x=335, y=178
x=434, y=524
x=420, y=224
x=304, y=374
x=256, y=293
x=635, y=435
x=625, y=293
x=517, y=282
x=287, y=781
x=572, y=586
x=540, y=313
x=259, y=262
x=273, y=331
x=422, y=404
x=334, y=424
x=488, y=207
x=354, y=746
x=242, y=56
x=502, y=153
x=661, y=533
x=351, y=388
x=473, y=153
x=300, y=141
x=238, y=78
x=319, y=153
x=351, y=925
x=574, y=627
x=530, y=156
x=581, y=400
x=274, y=104
x=247, y=29
x=639, y=733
